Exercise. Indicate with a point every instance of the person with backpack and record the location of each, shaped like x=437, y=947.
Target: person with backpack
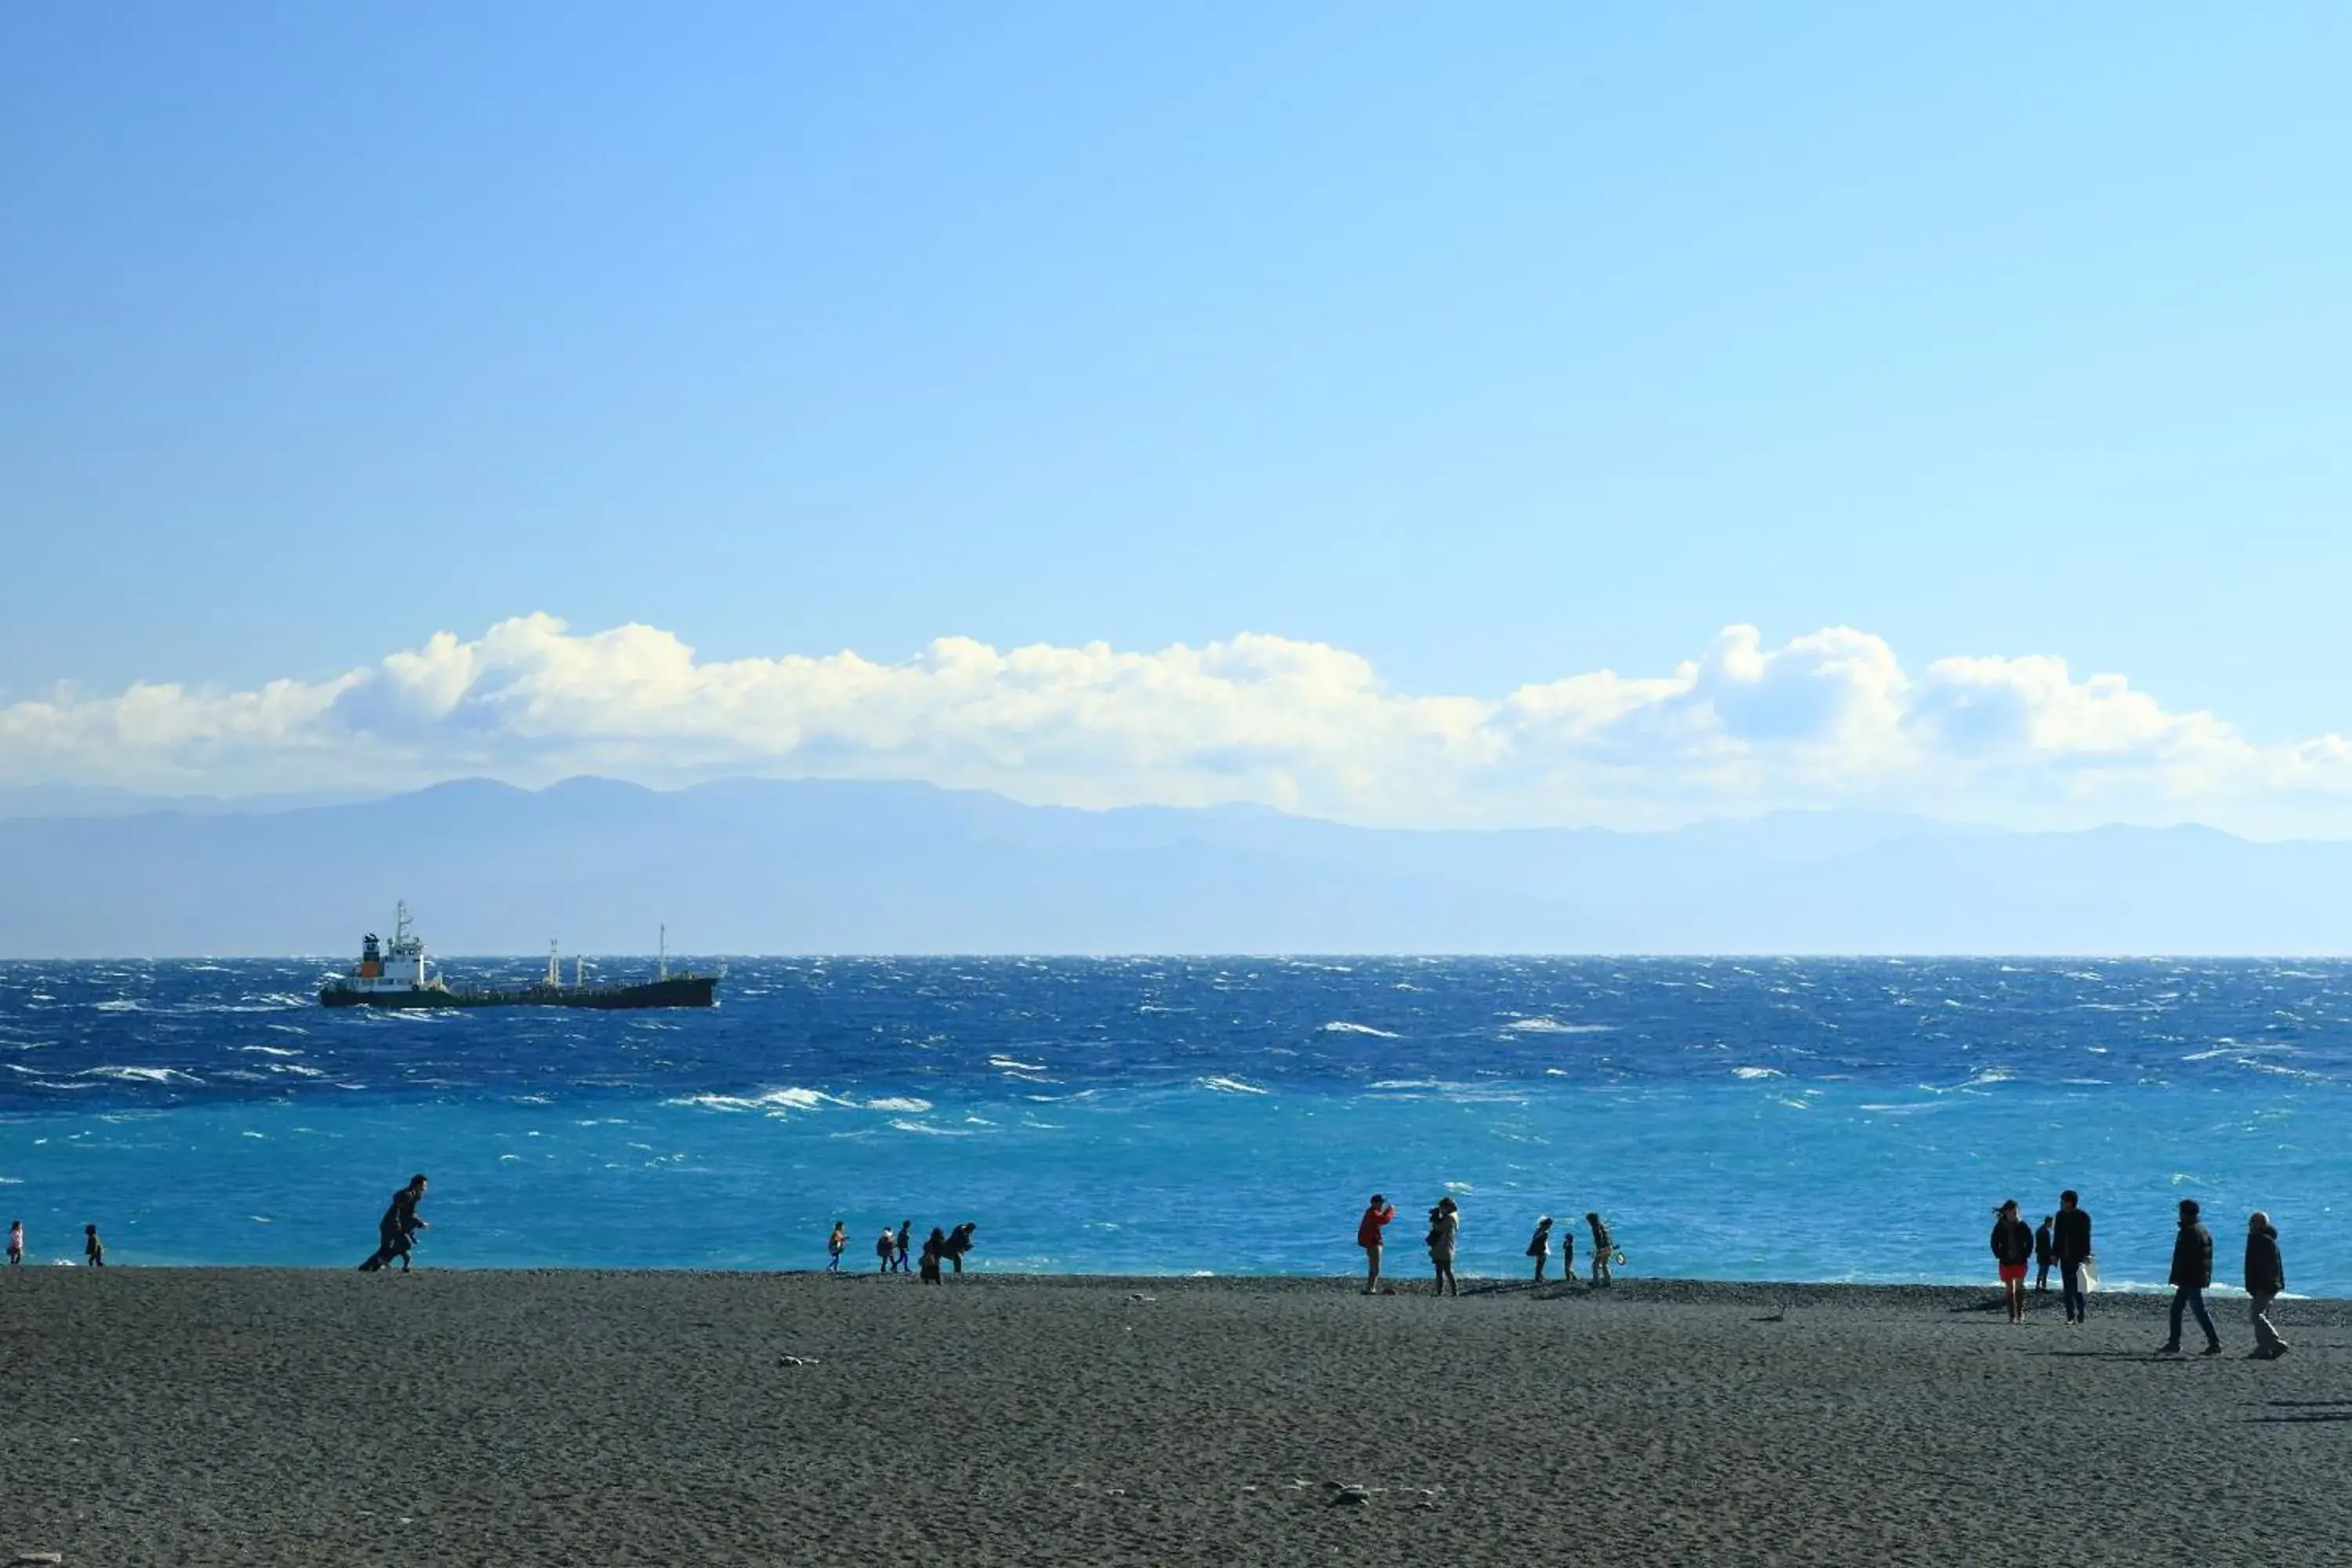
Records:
x=2012, y=1249
x=2192, y=1273
x=2265, y=1282
x=835, y=1245
x=884, y=1245
x=2070, y=1240
x=1539, y=1246
x=1602, y=1249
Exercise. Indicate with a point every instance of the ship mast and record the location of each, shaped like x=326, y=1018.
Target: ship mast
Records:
x=663, y=972
x=554, y=966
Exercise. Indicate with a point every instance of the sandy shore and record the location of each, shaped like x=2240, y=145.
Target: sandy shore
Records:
x=207, y=1415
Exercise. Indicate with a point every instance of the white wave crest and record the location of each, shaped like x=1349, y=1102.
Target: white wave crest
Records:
x=1758, y=1073
x=1221, y=1085
x=1008, y=1065
x=893, y=1103
x=775, y=1100
x=1553, y=1026
x=141, y=1075
x=271, y=1050
x=1342, y=1026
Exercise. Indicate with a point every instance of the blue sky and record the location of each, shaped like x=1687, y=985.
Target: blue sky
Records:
x=1489, y=346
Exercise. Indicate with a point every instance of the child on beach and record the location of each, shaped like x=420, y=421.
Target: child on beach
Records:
x=91, y=1248
x=835, y=1245
x=2012, y=1249
x=15, y=1241
x=1601, y=1247
x=1539, y=1246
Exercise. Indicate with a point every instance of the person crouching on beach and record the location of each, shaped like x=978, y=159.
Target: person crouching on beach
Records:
x=2012, y=1249
x=1601, y=1248
x=1377, y=1214
x=959, y=1242
x=835, y=1245
x=93, y=1251
x=2265, y=1281
x=1444, y=1230
x=395, y=1233
x=2192, y=1272
x=1539, y=1246
x=934, y=1247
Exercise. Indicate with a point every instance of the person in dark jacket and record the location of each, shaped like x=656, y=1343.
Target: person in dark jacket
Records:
x=396, y=1231
x=2042, y=1256
x=1539, y=1246
x=2070, y=1241
x=2265, y=1280
x=958, y=1243
x=2193, y=1272
x=905, y=1232
x=1603, y=1247
x=2012, y=1249
x=935, y=1246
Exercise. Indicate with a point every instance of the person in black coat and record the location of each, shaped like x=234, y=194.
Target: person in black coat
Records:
x=396, y=1231
x=2265, y=1281
x=2012, y=1249
x=2070, y=1242
x=2193, y=1272
x=2042, y=1256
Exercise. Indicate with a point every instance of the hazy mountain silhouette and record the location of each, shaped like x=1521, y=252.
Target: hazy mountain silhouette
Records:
x=834, y=867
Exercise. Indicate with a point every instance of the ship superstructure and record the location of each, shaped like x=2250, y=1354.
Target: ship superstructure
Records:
x=400, y=974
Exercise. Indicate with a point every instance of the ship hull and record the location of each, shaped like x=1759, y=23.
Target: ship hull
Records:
x=679, y=990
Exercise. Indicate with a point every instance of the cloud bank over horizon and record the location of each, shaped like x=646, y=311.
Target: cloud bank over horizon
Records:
x=1832, y=719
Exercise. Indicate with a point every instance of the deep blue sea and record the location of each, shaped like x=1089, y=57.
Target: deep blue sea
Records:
x=1734, y=1118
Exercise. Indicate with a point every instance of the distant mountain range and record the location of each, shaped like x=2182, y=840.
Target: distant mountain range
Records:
x=831, y=866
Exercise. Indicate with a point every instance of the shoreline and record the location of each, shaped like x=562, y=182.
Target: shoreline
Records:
x=556, y=1416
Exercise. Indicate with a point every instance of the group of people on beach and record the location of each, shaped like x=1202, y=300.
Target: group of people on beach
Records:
x=1444, y=1238
x=93, y=1251
x=2064, y=1239
x=890, y=1249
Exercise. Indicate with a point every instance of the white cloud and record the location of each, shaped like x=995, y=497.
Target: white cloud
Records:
x=1828, y=718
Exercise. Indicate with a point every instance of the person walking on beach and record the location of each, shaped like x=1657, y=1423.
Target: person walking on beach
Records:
x=93, y=1251
x=396, y=1231
x=1602, y=1246
x=906, y=1231
x=16, y=1242
x=2265, y=1281
x=835, y=1245
x=1444, y=1230
x=2042, y=1256
x=1377, y=1214
x=2070, y=1241
x=2013, y=1246
x=1539, y=1246
x=2192, y=1272
x=884, y=1245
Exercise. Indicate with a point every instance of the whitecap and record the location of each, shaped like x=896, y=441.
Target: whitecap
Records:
x=271, y=1050
x=1758, y=1073
x=1228, y=1086
x=1008, y=1064
x=141, y=1075
x=898, y=1103
x=904, y=1125
x=1553, y=1026
x=1342, y=1026
x=772, y=1100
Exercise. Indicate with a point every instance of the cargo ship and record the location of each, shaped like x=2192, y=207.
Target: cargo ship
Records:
x=399, y=974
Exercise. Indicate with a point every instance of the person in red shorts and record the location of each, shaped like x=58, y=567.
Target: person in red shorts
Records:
x=2012, y=1249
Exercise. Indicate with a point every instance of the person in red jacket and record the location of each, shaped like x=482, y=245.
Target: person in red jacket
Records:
x=1377, y=1214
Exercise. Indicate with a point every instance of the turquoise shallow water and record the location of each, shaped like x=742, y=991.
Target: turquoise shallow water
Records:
x=1814, y=1119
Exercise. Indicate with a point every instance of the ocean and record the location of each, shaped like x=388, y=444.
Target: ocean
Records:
x=1736, y=1118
